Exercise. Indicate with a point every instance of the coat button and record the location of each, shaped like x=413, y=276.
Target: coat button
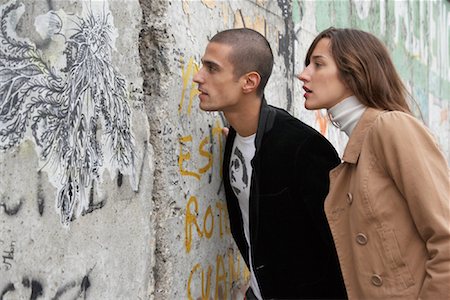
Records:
x=349, y=198
x=361, y=238
x=376, y=280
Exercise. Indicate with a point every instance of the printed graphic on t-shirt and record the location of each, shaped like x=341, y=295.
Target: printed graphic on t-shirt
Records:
x=238, y=172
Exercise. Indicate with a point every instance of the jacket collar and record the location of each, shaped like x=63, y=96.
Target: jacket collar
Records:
x=265, y=122
x=354, y=145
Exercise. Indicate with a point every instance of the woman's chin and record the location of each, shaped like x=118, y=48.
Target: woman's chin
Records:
x=311, y=106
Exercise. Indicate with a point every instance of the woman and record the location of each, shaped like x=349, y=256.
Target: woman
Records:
x=388, y=206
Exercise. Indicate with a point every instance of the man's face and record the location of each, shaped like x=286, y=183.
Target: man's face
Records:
x=219, y=88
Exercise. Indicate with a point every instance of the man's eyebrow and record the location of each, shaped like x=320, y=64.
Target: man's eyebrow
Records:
x=210, y=63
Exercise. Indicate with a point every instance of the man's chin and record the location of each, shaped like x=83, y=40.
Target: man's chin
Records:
x=207, y=109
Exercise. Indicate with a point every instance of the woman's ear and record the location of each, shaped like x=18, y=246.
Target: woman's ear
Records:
x=252, y=81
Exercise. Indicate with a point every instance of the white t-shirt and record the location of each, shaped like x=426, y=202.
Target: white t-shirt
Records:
x=240, y=179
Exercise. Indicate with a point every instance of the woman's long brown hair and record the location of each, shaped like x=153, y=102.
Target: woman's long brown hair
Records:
x=366, y=68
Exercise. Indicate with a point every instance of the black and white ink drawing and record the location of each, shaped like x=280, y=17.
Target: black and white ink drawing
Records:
x=78, y=116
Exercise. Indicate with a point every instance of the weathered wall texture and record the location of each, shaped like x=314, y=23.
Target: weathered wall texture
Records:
x=111, y=182
x=76, y=166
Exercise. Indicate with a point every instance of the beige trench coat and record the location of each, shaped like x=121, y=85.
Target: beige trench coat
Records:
x=388, y=210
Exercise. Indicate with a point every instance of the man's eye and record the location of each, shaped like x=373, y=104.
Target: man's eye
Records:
x=211, y=68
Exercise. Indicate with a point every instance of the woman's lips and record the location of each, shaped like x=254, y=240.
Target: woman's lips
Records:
x=308, y=92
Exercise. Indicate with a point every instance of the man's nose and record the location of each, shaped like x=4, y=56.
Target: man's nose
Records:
x=198, y=76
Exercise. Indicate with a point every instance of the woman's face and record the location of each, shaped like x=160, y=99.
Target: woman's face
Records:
x=321, y=83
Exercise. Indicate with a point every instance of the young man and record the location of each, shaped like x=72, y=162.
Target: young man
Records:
x=275, y=175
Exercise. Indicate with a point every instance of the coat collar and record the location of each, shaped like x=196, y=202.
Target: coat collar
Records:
x=354, y=145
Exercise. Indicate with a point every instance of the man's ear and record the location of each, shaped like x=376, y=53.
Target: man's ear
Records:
x=252, y=81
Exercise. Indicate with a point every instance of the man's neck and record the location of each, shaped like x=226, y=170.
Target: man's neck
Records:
x=245, y=120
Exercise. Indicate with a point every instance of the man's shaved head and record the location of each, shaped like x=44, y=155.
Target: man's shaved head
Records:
x=251, y=52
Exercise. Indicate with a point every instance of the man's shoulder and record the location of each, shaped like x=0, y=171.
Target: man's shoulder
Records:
x=290, y=134
x=292, y=125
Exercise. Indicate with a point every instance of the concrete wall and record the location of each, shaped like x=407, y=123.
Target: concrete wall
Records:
x=111, y=182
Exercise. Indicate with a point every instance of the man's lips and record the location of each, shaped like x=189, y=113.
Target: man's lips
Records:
x=202, y=92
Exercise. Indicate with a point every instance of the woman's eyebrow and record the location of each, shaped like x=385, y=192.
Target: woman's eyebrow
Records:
x=318, y=56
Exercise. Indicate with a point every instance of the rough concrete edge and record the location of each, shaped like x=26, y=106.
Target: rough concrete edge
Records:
x=154, y=53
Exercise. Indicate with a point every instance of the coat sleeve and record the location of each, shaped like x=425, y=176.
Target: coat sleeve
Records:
x=420, y=172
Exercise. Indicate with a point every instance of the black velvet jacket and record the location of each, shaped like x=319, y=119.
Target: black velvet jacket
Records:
x=293, y=251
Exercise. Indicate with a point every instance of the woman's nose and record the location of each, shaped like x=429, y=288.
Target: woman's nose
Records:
x=303, y=76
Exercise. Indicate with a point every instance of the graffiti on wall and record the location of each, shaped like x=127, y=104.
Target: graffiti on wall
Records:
x=214, y=220
x=33, y=288
x=8, y=250
x=78, y=116
x=202, y=149
x=187, y=71
x=225, y=277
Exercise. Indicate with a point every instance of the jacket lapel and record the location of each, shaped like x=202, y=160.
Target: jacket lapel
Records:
x=265, y=123
x=353, y=149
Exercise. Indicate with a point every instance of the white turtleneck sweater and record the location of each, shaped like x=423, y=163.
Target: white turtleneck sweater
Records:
x=346, y=114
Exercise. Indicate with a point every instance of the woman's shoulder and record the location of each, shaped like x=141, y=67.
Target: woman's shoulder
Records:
x=396, y=121
x=398, y=127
